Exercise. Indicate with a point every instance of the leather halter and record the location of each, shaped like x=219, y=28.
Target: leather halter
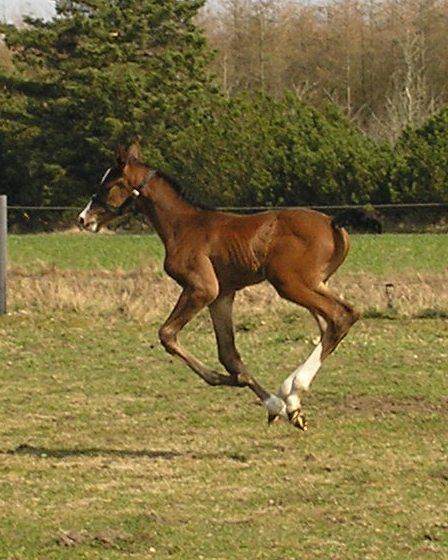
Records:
x=136, y=192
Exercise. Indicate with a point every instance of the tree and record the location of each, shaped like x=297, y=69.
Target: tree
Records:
x=255, y=150
x=100, y=73
x=420, y=169
x=360, y=54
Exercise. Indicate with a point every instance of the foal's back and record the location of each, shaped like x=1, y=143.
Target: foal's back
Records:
x=252, y=247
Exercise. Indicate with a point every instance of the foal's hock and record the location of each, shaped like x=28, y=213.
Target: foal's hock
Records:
x=213, y=254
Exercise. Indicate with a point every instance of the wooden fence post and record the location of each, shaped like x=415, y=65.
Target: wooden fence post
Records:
x=3, y=252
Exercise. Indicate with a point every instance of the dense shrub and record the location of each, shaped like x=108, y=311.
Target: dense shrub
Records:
x=420, y=167
x=254, y=151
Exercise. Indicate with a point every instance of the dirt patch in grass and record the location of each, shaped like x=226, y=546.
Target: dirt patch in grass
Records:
x=107, y=538
x=384, y=405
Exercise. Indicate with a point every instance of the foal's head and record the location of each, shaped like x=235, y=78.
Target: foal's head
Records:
x=119, y=188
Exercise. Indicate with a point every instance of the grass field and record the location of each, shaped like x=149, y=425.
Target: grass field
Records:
x=370, y=253
x=112, y=450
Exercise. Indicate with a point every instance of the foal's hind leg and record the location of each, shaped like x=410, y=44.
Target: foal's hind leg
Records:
x=336, y=330
x=334, y=317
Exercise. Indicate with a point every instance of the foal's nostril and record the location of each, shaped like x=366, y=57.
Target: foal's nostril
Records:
x=81, y=221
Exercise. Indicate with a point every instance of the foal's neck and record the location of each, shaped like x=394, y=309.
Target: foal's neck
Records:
x=168, y=211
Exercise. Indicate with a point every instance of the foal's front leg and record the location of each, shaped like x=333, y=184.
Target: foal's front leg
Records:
x=221, y=313
x=190, y=302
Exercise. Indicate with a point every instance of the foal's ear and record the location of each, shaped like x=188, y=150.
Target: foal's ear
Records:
x=121, y=155
x=135, y=151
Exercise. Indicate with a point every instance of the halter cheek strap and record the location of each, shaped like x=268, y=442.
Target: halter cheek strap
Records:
x=135, y=193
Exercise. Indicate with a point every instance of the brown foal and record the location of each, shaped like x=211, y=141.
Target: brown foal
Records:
x=212, y=254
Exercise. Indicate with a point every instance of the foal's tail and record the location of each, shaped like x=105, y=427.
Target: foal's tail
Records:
x=341, y=246
x=339, y=221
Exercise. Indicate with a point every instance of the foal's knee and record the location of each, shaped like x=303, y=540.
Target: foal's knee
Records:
x=353, y=315
x=205, y=295
x=167, y=338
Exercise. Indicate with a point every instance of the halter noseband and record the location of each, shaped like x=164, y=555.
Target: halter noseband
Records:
x=136, y=192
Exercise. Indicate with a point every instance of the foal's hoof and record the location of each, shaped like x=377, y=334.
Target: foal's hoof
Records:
x=298, y=420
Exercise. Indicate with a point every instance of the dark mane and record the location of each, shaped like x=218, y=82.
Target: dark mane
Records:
x=179, y=188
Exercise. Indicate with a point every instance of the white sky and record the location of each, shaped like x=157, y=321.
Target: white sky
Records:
x=11, y=10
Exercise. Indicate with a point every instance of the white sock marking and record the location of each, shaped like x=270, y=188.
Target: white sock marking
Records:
x=300, y=379
x=304, y=375
x=276, y=406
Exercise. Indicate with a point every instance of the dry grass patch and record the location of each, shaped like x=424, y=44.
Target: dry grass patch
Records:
x=146, y=295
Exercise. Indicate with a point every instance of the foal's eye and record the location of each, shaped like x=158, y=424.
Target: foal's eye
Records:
x=116, y=190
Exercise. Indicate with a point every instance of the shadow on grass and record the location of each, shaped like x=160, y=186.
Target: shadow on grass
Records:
x=44, y=452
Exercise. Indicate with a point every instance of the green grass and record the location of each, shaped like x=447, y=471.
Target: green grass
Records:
x=84, y=252
x=380, y=254
x=112, y=450
x=370, y=253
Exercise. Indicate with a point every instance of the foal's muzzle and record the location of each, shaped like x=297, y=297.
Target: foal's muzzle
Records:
x=88, y=221
x=92, y=225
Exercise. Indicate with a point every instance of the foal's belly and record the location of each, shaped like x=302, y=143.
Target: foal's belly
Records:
x=232, y=278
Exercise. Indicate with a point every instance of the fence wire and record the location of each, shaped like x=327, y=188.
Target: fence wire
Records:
x=328, y=207
x=405, y=217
